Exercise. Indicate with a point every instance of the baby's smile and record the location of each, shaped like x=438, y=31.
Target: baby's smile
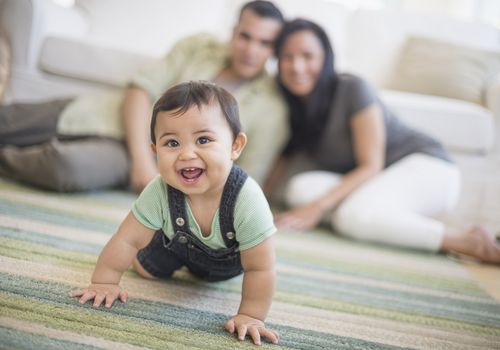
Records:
x=190, y=175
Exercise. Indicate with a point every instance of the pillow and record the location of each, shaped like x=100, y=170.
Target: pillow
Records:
x=434, y=67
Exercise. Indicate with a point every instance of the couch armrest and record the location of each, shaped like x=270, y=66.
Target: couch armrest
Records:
x=493, y=97
x=28, y=22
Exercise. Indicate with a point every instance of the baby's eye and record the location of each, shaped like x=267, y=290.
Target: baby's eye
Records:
x=172, y=143
x=203, y=139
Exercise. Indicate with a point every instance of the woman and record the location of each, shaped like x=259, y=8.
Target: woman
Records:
x=350, y=160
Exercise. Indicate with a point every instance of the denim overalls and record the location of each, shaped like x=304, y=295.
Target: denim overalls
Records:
x=163, y=256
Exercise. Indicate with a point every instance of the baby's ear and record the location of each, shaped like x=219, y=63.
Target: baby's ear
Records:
x=238, y=144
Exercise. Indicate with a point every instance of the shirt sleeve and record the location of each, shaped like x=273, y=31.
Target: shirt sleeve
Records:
x=361, y=95
x=149, y=206
x=266, y=126
x=158, y=76
x=253, y=217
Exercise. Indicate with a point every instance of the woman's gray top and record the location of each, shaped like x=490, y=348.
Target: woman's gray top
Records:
x=335, y=149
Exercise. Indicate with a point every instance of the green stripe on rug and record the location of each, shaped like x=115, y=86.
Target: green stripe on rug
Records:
x=331, y=292
x=13, y=339
x=160, y=324
x=23, y=211
x=393, y=273
x=357, y=299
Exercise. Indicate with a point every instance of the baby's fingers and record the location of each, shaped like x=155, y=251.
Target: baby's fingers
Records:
x=253, y=332
x=242, y=331
x=271, y=335
x=109, y=300
x=230, y=326
x=88, y=295
x=123, y=296
x=77, y=293
x=98, y=299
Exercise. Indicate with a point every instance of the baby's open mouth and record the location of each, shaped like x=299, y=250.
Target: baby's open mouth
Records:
x=191, y=174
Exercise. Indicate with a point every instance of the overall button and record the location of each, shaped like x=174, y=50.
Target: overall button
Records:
x=230, y=235
x=183, y=239
x=179, y=221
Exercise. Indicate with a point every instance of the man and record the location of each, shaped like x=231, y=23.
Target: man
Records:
x=75, y=145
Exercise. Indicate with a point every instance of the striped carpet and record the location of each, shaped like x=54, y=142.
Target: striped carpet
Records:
x=332, y=293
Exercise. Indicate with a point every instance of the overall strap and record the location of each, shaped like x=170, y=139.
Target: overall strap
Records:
x=177, y=206
x=234, y=183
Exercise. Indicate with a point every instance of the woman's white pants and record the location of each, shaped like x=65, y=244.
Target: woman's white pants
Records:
x=399, y=206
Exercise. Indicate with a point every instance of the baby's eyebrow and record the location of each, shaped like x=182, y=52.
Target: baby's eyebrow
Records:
x=167, y=134
x=202, y=131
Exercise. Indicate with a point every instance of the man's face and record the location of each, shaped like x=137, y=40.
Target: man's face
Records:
x=252, y=44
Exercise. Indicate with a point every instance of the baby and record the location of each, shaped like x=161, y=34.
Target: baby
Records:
x=202, y=211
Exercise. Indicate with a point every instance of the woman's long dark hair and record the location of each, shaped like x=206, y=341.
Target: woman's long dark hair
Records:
x=308, y=117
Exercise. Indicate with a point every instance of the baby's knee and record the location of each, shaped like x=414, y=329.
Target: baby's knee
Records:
x=141, y=271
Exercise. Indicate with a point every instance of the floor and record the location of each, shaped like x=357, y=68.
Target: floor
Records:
x=480, y=204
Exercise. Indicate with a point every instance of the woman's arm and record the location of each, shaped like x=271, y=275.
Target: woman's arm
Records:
x=368, y=135
x=257, y=292
x=113, y=261
x=275, y=176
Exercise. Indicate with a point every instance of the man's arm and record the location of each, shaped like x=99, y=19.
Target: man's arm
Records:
x=136, y=113
x=268, y=131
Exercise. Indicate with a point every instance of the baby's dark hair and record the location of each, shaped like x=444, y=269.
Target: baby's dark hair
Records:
x=182, y=97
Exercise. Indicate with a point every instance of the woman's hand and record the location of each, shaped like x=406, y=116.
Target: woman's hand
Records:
x=300, y=218
x=243, y=325
x=101, y=293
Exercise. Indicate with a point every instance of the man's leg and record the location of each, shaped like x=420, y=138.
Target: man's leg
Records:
x=68, y=166
x=27, y=124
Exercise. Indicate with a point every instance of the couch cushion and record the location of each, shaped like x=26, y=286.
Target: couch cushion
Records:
x=459, y=125
x=82, y=60
x=380, y=34
x=435, y=67
x=152, y=27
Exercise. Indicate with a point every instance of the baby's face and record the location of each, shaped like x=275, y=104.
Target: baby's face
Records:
x=195, y=150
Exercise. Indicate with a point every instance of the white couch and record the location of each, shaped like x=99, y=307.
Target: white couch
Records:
x=97, y=44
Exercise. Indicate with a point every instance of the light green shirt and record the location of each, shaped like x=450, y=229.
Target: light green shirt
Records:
x=253, y=220
x=263, y=113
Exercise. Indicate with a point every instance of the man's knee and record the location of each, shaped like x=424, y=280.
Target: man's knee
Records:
x=72, y=166
x=86, y=165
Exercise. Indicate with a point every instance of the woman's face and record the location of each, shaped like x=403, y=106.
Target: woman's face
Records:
x=301, y=60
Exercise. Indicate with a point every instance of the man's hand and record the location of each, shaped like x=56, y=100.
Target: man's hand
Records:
x=106, y=293
x=243, y=325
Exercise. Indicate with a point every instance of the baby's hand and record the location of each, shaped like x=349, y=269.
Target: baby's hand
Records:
x=100, y=292
x=255, y=328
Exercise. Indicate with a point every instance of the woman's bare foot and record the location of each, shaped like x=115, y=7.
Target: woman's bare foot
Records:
x=476, y=242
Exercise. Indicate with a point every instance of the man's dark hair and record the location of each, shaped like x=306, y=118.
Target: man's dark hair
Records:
x=264, y=9
x=182, y=97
